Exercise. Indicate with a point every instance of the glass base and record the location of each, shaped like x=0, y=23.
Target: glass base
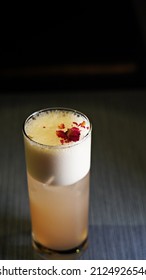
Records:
x=72, y=254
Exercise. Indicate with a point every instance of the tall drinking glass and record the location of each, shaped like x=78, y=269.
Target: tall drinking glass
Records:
x=57, y=150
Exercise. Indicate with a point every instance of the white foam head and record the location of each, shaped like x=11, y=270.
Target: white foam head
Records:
x=51, y=158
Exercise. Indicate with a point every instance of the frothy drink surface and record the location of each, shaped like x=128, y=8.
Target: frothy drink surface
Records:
x=57, y=127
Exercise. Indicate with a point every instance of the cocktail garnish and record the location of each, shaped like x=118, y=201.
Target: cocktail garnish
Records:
x=75, y=123
x=71, y=134
x=61, y=126
x=61, y=134
x=82, y=124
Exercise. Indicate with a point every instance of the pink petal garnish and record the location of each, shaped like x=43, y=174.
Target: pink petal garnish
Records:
x=61, y=134
x=73, y=134
x=62, y=141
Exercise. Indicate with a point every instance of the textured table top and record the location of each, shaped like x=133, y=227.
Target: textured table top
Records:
x=117, y=220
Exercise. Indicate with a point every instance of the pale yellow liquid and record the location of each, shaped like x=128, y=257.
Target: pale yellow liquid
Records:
x=59, y=214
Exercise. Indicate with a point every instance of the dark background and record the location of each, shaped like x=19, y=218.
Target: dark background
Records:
x=72, y=45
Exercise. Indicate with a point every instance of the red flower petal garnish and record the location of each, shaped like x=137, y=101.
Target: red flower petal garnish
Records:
x=75, y=123
x=73, y=134
x=61, y=126
x=82, y=124
x=61, y=134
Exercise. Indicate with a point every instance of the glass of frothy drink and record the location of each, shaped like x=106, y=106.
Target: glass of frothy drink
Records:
x=57, y=149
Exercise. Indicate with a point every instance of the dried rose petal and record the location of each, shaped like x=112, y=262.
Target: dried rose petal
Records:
x=73, y=134
x=82, y=124
x=62, y=141
x=61, y=134
x=75, y=123
x=61, y=126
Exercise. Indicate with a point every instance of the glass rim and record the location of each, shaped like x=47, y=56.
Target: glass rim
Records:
x=56, y=146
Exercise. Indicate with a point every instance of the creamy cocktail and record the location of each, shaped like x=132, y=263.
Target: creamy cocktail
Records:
x=57, y=147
